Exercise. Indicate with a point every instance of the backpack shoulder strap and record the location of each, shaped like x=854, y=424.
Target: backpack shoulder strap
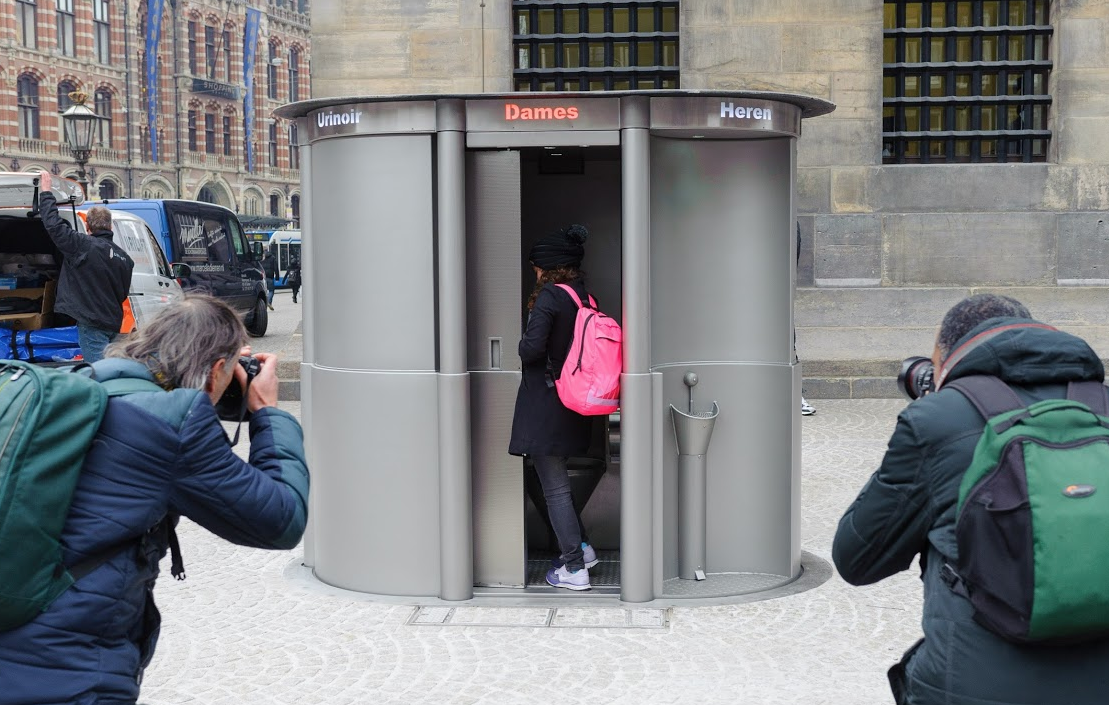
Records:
x=1093, y=394
x=988, y=394
x=573, y=294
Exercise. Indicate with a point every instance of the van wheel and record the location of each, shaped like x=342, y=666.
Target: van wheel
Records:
x=259, y=320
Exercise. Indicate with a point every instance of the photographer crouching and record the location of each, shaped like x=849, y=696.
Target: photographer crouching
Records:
x=160, y=453
x=992, y=478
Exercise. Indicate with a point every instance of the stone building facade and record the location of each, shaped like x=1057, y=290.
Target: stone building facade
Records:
x=198, y=151
x=887, y=247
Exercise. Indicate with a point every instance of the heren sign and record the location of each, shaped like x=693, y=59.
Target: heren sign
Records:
x=512, y=111
x=731, y=110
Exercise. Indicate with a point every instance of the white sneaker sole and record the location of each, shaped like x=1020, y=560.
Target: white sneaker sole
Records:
x=592, y=563
x=569, y=586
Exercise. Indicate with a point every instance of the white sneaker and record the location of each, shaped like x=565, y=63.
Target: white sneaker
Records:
x=807, y=409
x=560, y=577
x=589, y=555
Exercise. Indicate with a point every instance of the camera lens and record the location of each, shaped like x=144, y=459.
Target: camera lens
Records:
x=916, y=377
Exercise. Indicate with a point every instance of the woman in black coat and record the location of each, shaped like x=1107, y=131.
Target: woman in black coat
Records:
x=542, y=427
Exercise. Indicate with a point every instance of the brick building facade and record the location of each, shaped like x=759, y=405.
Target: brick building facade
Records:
x=51, y=47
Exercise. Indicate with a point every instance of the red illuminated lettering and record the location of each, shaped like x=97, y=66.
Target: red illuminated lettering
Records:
x=512, y=111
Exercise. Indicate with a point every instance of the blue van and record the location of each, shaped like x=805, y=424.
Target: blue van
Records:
x=210, y=239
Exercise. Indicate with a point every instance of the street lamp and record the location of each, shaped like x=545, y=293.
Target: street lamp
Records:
x=80, y=125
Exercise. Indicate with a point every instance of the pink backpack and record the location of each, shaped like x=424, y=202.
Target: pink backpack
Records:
x=590, y=379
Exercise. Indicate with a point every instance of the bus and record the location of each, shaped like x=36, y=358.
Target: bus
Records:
x=285, y=246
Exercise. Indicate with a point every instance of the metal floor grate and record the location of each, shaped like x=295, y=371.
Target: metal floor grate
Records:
x=541, y=617
x=604, y=574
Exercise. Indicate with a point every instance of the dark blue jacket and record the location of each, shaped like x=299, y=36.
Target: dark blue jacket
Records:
x=907, y=509
x=156, y=453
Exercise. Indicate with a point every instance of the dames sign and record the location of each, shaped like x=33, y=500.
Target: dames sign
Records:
x=512, y=111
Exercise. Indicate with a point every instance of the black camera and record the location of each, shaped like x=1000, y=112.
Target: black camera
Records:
x=232, y=405
x=916, y=377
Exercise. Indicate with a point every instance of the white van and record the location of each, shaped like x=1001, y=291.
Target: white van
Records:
x=27, y=255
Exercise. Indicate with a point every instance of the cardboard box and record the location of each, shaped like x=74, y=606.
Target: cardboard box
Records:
x=25, y=321
x=31, y=321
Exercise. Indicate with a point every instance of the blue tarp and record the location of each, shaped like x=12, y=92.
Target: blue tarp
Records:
x=46, y=345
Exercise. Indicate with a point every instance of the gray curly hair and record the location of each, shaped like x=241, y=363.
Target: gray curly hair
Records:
x=182, y=343
x=99, y=219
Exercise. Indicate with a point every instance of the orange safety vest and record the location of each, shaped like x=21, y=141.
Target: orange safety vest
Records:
x=128, y=317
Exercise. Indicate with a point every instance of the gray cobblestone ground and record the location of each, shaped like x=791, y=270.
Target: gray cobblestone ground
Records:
x=240, y=631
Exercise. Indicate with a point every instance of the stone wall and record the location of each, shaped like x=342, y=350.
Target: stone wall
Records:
x=396, y=47
x=886, y=249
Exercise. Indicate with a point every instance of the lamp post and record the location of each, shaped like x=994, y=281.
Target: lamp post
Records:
x=80, y=124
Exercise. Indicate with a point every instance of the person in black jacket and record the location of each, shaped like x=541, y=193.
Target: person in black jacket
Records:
x=907, y=509
x=293, y=278
x=95, y=277
x=269, y=267
x=542, y=427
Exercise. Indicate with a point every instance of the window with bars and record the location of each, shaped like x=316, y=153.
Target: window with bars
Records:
x=25, y=21
x=101, y=31
x=595, y=45
x=965, y=81
x=67, y=41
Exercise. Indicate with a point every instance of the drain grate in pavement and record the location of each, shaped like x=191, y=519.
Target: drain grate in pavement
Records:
x=533, y=617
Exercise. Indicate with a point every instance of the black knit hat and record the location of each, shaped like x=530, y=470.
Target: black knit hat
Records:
x=561, y=249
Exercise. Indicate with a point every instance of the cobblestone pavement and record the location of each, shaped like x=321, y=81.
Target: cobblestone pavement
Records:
x=240, y=630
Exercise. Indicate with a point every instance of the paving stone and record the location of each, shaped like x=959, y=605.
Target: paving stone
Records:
x=240, y=632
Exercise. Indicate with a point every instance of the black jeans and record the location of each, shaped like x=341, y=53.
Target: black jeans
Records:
x=555, y=479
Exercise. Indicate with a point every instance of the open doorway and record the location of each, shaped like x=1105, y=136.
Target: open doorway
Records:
x=561, y=186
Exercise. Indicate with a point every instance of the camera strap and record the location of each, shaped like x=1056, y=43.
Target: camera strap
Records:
x=982, y=338
x=239, y=423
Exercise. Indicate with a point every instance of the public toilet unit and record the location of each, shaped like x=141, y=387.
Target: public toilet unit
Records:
x=419, y=213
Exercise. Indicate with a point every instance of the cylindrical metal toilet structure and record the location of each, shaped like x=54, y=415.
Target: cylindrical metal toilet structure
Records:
x=418, y=214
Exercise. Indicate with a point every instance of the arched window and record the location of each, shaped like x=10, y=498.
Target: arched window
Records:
x=104, y=110
x=108, y=189
x=27, y=98
x=207, y=195
x=294, y=205
x=64, y=89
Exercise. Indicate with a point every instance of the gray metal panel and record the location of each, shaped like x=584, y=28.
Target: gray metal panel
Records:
x=493, y=306
x=372, y=240
x=576, y=138
x=752, y=481
x=493, y=281
x=499, y=552
x=376, y=480
x=721, y=226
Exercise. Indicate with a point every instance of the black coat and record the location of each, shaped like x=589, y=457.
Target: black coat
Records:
x=908, y=509
x=541, y=425
x=96, y=273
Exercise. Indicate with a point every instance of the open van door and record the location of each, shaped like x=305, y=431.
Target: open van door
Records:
x=21, y=190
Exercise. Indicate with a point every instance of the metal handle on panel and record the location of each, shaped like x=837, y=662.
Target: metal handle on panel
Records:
x=495, y=353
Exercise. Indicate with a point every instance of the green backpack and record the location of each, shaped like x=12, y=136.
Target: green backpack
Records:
x=48, y=419
x=1033, y=514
